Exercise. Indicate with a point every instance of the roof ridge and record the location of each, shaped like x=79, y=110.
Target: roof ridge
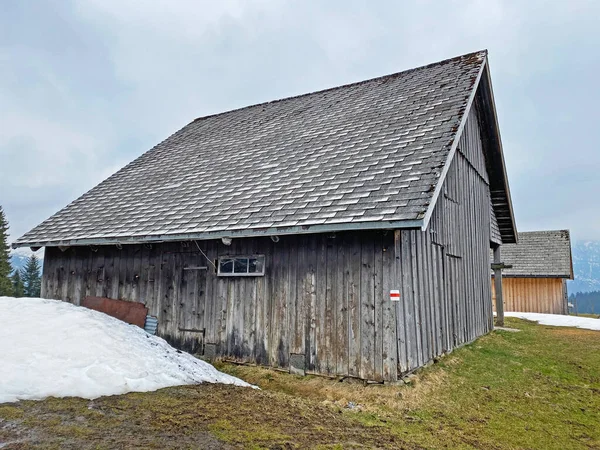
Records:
x=483, y=53
x=545, y=231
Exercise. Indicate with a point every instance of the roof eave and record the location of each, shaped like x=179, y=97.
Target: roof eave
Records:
x=242, y=233
x=490, y=93
x=512, y=275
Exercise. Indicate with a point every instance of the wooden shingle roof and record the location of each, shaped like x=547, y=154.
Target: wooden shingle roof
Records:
x=539, y=254
x=364, y=155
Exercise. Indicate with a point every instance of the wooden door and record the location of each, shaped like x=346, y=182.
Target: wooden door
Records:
x=191, y=301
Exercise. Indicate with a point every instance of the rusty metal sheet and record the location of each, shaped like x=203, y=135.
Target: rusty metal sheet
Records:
x=130, y=312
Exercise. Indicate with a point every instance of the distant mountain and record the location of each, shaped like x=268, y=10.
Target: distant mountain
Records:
x=18, y=260
x=586, y=265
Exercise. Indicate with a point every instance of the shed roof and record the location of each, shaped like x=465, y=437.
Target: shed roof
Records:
x=360, y=156
x=539, y=254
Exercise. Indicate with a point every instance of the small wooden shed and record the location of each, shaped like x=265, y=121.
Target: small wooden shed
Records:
x=344, y=232
x=541, y=265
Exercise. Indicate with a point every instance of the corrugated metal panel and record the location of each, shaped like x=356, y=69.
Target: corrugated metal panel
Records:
x=151, y=325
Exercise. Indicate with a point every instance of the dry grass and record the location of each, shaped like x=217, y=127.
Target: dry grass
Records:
x=539, y=388
x=370, y=397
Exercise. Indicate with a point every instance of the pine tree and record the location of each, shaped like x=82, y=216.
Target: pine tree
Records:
x=17, y=282
x=6, y=287
x=32, y=279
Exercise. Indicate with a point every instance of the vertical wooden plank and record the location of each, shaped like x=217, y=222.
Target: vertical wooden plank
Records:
x=173, y=279
x=298, y=342
x=45, y=276
x=98, y=265
x=292, y=306
x=67, y=284
x=312, y=307
x=80, y=272
x=199, y=299
x=110, y=288
x=136, y=278
x=378, y=303
x=250, y=284
x=279, y=341
x=142, y=282
x=212, y=309
x=436, y=302
x=126, y=271
x=389, y=282
x=423, y=275
x=175, y=294
x=446, y=312
x=367, y=305
x=50, y=258
x=264, y=304
x=455, y=281
x=330, y=305
x=340, y=299
x=353, y=269
x=119, y=268
x=153, y=301
x=268, y=304
x=165, y=269
x=238, y=302
x=222, y=306
x=321, y=361
x=59, y=277
x=231, y=294
x=288, y=296
x=408, y=294
x=89, y=282
x=187, y=293
x=417, y=299
x=400, y=307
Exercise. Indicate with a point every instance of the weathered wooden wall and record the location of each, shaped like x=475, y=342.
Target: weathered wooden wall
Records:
x=539, y=295
x=444, y=271
x=323, y=297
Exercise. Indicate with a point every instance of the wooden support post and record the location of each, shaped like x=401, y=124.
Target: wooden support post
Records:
x=498, y=285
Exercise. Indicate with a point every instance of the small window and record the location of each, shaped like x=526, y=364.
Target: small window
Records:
x=242, y=266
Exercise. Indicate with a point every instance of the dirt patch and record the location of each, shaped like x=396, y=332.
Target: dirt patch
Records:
x=203, y=416
x=341, y=393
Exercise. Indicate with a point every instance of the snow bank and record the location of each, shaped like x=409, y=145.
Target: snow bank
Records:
x=558, y=320
x=51, y=348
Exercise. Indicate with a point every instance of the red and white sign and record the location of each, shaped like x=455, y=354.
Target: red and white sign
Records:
x=395, y=295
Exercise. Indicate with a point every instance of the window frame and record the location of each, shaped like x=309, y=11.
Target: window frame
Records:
x=241, y=274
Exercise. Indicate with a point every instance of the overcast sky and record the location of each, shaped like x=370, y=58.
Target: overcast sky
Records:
x=87, y=86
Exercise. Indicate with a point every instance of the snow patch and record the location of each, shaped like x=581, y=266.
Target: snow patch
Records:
x=53, y=348
x=558, y=320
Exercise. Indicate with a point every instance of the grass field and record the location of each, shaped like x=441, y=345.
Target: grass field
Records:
x=538, y=388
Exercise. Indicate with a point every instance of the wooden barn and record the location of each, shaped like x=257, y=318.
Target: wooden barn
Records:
x=344, y=232
x=541, y=265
